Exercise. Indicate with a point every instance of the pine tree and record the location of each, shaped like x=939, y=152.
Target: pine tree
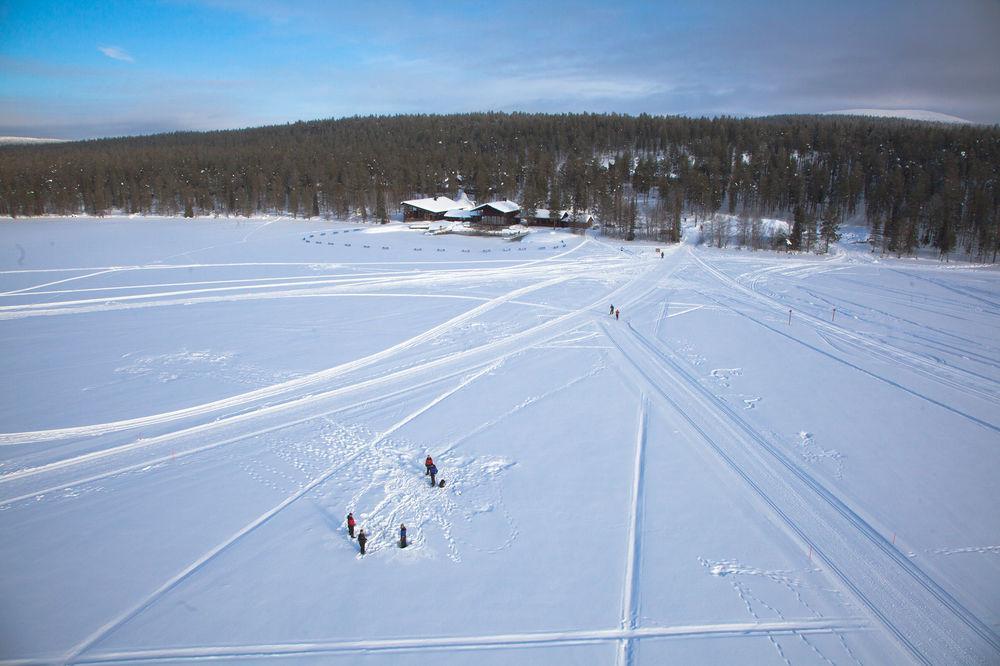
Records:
x=798, y=222
x=829, y=230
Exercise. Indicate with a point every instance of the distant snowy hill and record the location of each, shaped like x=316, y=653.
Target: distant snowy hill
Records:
x=911, y=114
x=19, y=140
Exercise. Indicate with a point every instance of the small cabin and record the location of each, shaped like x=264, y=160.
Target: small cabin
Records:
x=498, y=213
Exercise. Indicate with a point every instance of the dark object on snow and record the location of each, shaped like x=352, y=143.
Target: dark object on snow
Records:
x=441, y=484
x=402, y=536
x=362, y=540
x=617, y=312
x=427, y=465
x=432, y=470
x=612, y=310
x=350, y=524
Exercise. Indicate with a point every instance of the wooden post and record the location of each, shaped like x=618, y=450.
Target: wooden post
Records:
x=789, y=317
x=834, y=315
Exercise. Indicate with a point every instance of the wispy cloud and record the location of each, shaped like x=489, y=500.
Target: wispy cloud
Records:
x=116, y=53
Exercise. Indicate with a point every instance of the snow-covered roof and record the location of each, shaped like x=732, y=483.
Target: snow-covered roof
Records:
x=505, y=206
x=461, y=214
x=434, y=204
x=545, y=214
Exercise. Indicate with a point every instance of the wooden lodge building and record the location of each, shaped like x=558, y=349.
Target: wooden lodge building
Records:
x=498, y=214
x=431, y=208
x=491, y=215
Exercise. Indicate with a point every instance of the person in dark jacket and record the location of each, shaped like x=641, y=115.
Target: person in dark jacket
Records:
x=612, y=309
x=433, y=470
x=350, y=524
x=617, y=312
x=427, y=465
x=362, y=540
x=402, y=536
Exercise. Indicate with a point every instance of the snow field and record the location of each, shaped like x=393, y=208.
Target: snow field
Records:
x=199, y=404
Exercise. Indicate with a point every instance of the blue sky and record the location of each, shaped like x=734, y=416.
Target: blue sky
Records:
x=80, y=69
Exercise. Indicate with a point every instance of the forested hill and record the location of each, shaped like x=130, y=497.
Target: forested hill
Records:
x=917, y=183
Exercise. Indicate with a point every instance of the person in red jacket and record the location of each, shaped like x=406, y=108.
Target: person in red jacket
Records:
x=427, y=465
x=350, y=524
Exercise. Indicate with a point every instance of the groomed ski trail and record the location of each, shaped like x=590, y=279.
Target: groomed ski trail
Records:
x=789, y=627
x=630, y=587
x=929, y=624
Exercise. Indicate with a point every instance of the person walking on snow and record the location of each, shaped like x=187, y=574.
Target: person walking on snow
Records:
x=617, y=312
x=350, y=524
x=402, y=535
x=362, y=540
x=432, y=470
x=612, y=311
x=427, y=465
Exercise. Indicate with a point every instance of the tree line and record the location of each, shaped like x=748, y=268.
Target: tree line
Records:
x=916, y=184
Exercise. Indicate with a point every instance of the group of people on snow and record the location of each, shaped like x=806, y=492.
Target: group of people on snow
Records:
x=614, y=311
x=431, y=470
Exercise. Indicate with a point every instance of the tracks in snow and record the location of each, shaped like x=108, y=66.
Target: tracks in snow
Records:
x=276, y=390
x=952, y=377
x=483, y=642
x=630, y=588
x=263, y=518
x=930, y=624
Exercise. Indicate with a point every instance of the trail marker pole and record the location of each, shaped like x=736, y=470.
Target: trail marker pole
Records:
x=834, y=315
x=789, y=317
x=893, y=538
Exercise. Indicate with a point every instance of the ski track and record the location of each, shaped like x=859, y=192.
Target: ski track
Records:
x=7, y=439
x=256, y=413
x=179, y=454
x=263, y=518
x=790, y=627
x=954, y=290
x=926, y=620
x=885, y=380
x=965, y=352
x=118, y=621
x=878, y=349
x=630, y=586
x=936, y=628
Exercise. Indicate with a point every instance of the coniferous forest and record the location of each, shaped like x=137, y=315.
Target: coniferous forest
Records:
x=917, y=185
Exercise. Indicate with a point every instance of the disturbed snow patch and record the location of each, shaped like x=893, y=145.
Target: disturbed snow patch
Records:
x=384, y=485
x=815, y=454
x=724, y=375
x=185, y=364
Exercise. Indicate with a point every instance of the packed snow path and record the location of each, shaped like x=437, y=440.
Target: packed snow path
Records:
x=731, y=470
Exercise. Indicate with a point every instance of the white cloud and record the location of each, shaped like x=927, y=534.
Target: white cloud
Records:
x=116, y=52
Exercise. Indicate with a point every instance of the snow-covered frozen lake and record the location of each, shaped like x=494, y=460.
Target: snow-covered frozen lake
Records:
x=765, y=459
